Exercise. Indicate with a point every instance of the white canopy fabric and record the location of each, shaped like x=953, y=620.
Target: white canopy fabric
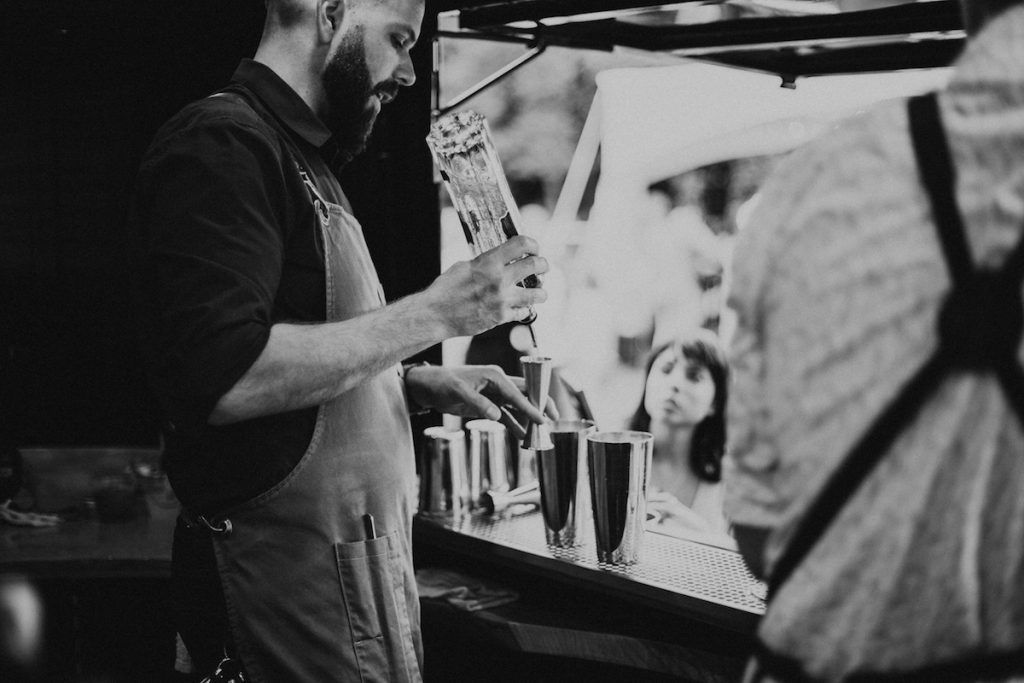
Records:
x=653, y=123
x=661, y=121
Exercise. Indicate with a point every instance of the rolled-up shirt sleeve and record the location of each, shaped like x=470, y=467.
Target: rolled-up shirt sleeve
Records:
x=208, y=217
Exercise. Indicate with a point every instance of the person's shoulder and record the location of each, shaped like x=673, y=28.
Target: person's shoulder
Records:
x=857, y=146
x=846, y=140
x=218, y=116
x=223, y=110
x=830, y=175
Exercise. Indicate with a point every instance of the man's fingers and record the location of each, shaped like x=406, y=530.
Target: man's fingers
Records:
x=523, y=297
x=505, y=391
x=518, y=398
x=516, y=247
x=530, y=265
x=518, y=382
x=511, y=424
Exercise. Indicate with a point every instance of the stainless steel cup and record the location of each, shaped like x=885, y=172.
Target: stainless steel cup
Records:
x=537, y=374
x=558, y=472
x=443, y=478
x=525, y=465
x=619, y=471
x=489, y=466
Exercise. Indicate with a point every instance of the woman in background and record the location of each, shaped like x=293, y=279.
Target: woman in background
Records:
x=683, y=406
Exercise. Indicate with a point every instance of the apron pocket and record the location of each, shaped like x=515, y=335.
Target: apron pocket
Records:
x=376, y=611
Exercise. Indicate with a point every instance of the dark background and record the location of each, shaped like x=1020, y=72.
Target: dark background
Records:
x=83, y=88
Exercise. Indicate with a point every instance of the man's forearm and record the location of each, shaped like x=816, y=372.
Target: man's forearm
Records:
x=306, y=365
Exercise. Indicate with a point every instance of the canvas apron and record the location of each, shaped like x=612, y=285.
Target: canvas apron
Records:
x=309, y=596
x=979, y=330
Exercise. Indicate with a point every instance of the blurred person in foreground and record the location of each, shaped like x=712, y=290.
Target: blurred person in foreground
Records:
x=875, y=472
x=683, y=405
x=21, y=630
x=277, y=360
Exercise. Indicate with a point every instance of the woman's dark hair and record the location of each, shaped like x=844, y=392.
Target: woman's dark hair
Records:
x=707, y=445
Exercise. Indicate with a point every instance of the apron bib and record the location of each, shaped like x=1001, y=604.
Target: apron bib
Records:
x=310, y=595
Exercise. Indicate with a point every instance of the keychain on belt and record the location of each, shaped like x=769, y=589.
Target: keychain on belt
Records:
x=228, y=671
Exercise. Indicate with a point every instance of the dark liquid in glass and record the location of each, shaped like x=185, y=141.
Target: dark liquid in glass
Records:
x=557, y=474
x=609, y=491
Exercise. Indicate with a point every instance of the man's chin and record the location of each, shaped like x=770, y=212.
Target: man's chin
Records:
x=352, y=139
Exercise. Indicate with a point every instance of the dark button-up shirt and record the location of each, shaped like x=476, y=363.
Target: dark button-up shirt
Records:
x=228, y=247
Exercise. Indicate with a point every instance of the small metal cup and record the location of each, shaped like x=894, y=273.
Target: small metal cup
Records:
x=489, y=466
x=558, y=472
x=619, y=471
x=443, y=478
x=537, y=373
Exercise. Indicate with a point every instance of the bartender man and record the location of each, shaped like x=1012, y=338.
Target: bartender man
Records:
x=277, y=360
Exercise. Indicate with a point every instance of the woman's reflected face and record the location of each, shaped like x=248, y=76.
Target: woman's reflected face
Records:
x=679, y=390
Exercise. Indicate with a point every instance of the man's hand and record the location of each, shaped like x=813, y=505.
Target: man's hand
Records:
x=474, y=296
x=473, y=391
x=307, y=365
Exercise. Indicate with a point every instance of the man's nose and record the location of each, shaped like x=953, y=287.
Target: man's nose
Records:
x=405, y=74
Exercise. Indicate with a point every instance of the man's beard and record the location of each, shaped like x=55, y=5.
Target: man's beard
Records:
x=348, y=90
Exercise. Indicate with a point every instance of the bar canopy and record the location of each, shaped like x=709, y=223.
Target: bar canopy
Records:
x=789, y=38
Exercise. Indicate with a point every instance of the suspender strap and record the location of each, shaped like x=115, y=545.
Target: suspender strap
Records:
x=939, y=179
x=1011, y=378
x=980, y=327
x=981, y=321
x=857, y=465
x=1009, y=317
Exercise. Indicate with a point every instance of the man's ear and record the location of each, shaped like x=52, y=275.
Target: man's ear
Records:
x=329, y=18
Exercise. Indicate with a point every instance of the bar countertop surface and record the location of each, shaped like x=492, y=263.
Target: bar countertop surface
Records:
x=703, y=581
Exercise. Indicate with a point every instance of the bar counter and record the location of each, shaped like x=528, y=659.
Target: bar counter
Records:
x=686, y=611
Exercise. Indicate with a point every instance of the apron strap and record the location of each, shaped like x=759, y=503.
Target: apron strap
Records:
x=980, y=327
x=240, y=93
